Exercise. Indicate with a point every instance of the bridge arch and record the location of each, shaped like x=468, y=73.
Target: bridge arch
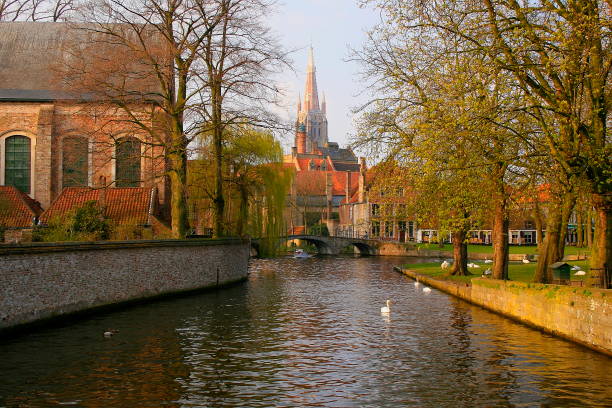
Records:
x=363, y=248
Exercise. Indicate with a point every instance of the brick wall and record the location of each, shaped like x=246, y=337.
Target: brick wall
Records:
x=40, y=281
x=48, y=123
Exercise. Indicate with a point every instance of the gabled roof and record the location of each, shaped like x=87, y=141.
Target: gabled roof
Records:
x=17, y=209
x=126, y=205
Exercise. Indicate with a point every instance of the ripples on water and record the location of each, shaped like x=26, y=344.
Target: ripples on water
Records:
x=302, y=333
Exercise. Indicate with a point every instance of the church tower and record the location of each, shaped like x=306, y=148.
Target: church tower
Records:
x=311, y=115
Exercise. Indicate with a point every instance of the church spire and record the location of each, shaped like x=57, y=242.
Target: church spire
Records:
x=311, y=96
x=324, y=104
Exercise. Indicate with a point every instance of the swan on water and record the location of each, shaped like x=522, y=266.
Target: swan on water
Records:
x=488, y=261
x=525, y=261
x=580, y=273
x=109, y=333
x=386, y=309
x=416, y=283
x=426, y=289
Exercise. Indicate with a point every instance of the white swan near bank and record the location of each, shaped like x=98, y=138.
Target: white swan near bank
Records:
x=386, y=309
x=416, y=283
x=525, y=261
x=488, y=261
x=426, y=289
x=580, y=273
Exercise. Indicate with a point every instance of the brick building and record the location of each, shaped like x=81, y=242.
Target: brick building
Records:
x=53, y=137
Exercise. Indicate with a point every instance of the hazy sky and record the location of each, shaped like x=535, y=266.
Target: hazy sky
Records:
x=332, y=26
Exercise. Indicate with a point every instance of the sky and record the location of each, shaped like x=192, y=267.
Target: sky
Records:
x=331, y=26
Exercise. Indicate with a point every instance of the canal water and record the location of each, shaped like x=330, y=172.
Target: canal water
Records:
x=302, y=333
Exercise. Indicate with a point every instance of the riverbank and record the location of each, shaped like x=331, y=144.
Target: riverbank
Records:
x=40, y=282
x=582, y=315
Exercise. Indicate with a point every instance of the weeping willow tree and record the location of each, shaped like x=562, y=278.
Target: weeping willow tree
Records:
x=268, y=206
x=256, y=185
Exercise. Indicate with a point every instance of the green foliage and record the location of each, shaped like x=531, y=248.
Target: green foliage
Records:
x=318, y=229
x=86, y=223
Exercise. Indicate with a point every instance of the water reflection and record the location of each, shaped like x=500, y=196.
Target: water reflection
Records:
x=303, y=333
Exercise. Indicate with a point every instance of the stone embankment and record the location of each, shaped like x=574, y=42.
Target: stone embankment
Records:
x=42, y=281
x=582, y=315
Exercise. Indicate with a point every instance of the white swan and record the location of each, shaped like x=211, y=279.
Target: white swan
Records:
x=416, y=283
x=575, y=268
x=487, y=272
x=444, y=265
x=525, y=261
x=426, y=289
x=580, y=273
x=488, y=261
x=386, y=309
x=109, y=333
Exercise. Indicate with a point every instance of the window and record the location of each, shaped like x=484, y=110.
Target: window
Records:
x=75, y=167
x=311, y=165
x=324, y=165
x=17, y=164
x=127, y=165
x=375, y=229
x=375, y=209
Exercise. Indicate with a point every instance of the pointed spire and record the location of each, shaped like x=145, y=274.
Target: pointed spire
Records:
x=324, y=104
x=311, y=96
x=311, y=66
x=299, y=102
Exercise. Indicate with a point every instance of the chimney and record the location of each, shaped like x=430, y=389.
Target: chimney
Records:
x=300, y=139
x=362, y=179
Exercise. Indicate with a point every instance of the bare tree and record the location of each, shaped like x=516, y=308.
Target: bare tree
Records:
x=239, y=58
x=36, y=10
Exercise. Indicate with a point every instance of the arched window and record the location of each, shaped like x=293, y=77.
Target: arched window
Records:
x=324, y=165
x=311, y=165
x=127, y=162
x=75, y=166
x=17, y=164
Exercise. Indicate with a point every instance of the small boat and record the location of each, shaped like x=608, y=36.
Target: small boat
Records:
x=300, y=253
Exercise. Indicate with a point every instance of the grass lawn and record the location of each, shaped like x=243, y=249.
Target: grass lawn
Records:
x=516, y=271
x=514, y=249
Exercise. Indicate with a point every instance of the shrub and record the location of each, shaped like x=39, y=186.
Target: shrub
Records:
x=319, y=229
x=86, y=223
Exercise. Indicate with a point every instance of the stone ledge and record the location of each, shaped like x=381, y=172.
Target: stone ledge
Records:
x=103, y=245
x=581, y=315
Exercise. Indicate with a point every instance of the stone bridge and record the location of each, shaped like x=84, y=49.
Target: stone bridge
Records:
x=334, y=245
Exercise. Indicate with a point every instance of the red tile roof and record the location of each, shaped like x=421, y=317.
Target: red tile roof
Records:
x=17, y=209
x=126, y=205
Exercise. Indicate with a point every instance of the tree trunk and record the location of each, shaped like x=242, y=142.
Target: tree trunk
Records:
x=178, y=207
x=500, y=240
x=539, y=224
x=550, y=248
x=579, y=230
x=460, y=254
x=589, y=229
x=601, y=254
x=569, y=201
x=244, y=208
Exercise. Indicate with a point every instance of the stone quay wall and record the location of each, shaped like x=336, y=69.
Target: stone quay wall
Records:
x=582, y=315
x=42, y=281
